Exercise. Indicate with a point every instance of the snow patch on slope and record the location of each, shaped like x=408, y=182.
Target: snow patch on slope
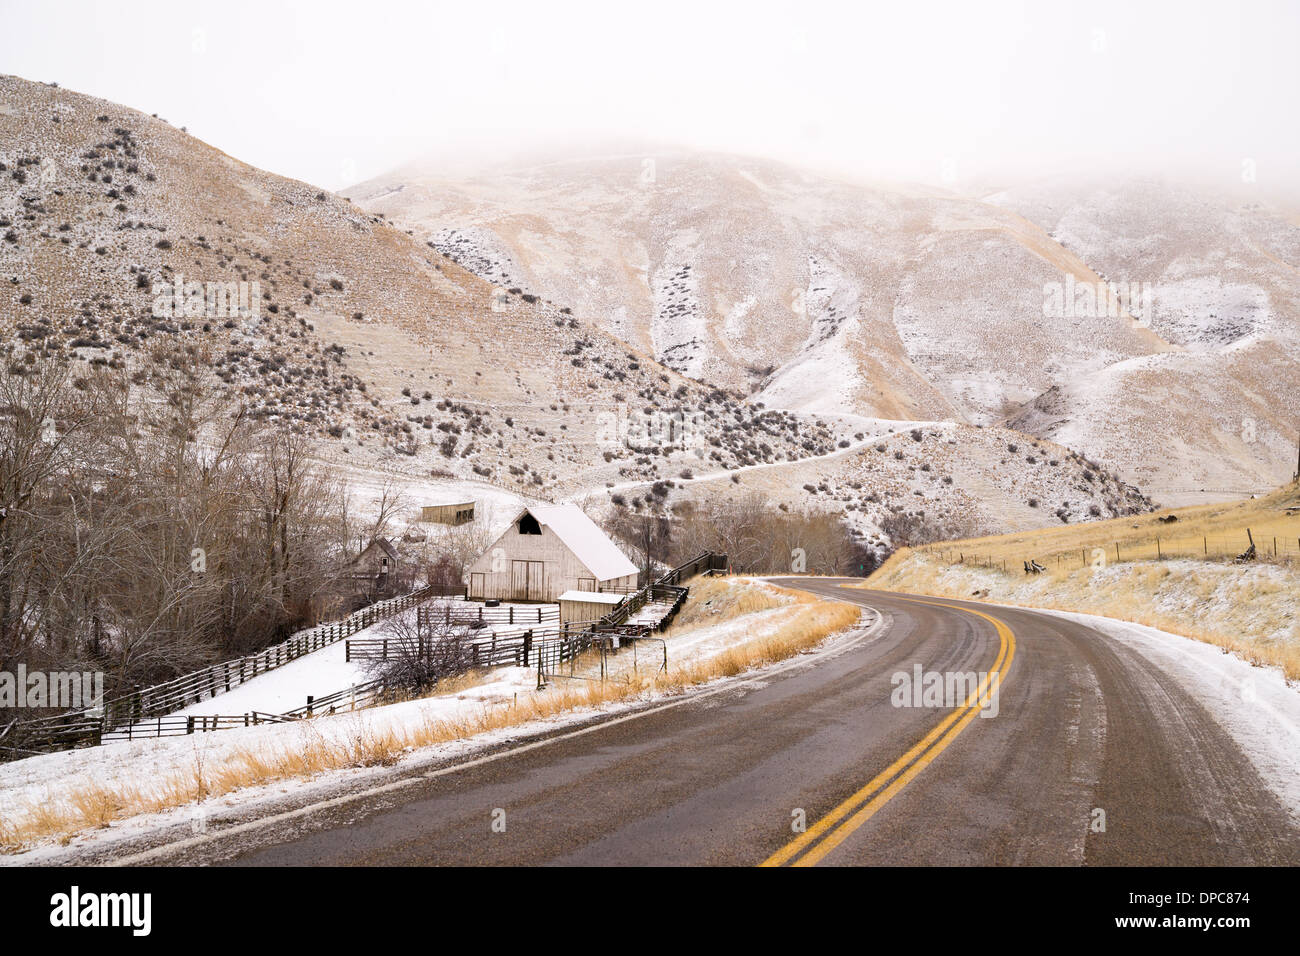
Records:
x=824, y=377
x=679, y=328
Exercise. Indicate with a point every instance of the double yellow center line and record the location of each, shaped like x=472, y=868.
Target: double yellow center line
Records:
x=830, y=831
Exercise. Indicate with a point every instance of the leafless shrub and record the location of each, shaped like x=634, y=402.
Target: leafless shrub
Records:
x=420, y=652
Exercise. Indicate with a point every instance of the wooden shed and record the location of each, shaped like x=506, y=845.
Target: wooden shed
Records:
x=451, y=512
x=585, y=606
x=546, y=551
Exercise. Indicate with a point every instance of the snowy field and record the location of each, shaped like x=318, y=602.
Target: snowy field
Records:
x=318, y=674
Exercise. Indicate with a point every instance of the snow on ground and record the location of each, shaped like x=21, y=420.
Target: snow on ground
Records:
x=318, y=674
x=287, y=688
x=650, y=613
x=825, y=377
x=50, y=778
x=495, y=507
x=679, y=328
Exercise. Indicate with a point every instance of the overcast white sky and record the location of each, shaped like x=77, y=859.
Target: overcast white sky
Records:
x=334, y=92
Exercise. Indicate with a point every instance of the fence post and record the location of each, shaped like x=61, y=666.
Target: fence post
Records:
x=310, y=700
x=189, y=725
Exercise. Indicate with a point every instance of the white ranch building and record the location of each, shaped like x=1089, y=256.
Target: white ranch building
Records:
x=546, y=551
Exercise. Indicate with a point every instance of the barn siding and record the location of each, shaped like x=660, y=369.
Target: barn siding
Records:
x=562, y=569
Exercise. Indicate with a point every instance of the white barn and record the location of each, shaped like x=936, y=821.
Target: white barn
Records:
x=546, y=551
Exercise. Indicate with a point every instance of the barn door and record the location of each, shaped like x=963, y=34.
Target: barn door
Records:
x=519, y=580
x=476, y=584
x=536, y=581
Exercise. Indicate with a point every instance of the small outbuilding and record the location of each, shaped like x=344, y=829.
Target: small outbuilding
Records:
x=585, y=606
x=451, y=512
x=378, y=568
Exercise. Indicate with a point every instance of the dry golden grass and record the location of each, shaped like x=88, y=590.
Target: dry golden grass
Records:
x=717, y=599
x=367, y=746
x=1213, y=531
x=1247, y=610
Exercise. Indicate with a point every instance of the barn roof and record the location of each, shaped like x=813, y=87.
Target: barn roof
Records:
x=591, y=597
x=580, y=535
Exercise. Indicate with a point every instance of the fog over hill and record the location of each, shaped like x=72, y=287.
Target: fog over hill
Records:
x=1174, y=360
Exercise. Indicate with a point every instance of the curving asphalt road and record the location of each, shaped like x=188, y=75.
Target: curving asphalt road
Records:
x=1082, y=725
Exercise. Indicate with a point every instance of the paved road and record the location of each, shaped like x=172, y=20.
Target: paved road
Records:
x=1082, y=725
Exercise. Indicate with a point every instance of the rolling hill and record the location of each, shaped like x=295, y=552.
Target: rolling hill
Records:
x=894, y=302
x=575, y=346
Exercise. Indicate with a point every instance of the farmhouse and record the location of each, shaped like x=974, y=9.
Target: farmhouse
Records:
x=378, y=568
x=546, y=551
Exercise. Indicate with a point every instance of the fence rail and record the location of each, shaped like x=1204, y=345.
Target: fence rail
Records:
x=547, y=646
x=500, y=647
x=469, y=613
x=702, y=563
x=160, y=701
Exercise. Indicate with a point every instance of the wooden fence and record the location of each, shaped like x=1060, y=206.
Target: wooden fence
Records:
x=468, y=613
x=500, y=647
x=667, y=588
x=158, y=701
x=546, y=646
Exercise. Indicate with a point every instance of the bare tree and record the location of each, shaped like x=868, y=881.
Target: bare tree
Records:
x=420, y=652
x=392, y=499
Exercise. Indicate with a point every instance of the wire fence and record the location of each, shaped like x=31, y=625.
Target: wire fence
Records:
x=1241, y=545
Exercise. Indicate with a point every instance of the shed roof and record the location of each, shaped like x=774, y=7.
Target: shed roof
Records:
x=592, y=597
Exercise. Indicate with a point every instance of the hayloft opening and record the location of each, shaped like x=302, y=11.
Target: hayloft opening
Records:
x=528, y=525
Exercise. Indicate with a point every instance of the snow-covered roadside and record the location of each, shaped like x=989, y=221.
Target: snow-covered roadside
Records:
x=144, y=762
x=1254, y=705
x=48, y=779
x=711, y=639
